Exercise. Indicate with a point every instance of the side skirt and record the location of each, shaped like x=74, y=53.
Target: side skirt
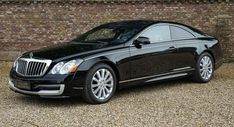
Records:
x=160, y=76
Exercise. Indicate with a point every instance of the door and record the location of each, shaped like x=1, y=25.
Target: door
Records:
x=155, y=58
x=186, y=47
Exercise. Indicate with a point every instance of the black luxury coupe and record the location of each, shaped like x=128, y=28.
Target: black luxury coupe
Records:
x=117, y=54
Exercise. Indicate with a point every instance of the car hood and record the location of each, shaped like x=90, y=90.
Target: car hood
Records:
x=67, y=50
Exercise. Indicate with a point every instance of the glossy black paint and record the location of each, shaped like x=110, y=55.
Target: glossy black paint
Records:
x=131, y=64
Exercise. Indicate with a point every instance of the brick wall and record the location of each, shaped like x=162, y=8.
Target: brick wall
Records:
x=30, y=24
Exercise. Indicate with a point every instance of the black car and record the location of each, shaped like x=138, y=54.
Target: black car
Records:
x=117, y=54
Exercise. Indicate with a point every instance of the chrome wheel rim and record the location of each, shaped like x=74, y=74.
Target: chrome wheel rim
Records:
x=102, y=84
x=206, y=68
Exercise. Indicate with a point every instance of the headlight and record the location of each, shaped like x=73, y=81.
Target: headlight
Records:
x=57, y=68
x=65, y=68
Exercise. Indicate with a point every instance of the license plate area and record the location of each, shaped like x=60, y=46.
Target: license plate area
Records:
x=22, y=85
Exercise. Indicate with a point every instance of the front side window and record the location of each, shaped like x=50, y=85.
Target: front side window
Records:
x=157, y=34
x=178, y=33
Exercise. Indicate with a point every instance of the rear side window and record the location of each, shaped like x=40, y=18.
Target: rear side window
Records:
x=178, y=33
x=158, y=34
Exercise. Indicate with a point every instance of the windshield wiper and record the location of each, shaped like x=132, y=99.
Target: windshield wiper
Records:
x=97, y=41
x=91, y=42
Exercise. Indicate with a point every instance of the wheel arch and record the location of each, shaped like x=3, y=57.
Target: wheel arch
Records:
x=211, y=53
x=197, y=76
x=88, y=64
x=112, y=65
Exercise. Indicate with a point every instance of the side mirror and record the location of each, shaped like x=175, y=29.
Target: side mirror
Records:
x=141, y=40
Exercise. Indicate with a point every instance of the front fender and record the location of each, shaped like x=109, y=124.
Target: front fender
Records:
x=87, y=64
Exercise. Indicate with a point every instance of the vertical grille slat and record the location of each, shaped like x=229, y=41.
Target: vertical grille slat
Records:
x=32, y=67
x=28, y=68
x=43, y=66
x=35, y=68
x=38, y=68
x=25, y=67
x=22, y=68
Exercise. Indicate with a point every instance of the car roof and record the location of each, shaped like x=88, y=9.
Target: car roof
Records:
x=149, y=22
x=146, y=23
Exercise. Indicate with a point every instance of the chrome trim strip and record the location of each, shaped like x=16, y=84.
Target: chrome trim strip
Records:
x=183, y=68
x=158, y=75
x=41, y=92
x=78, y=88
x=54, y=97
x=135, y=79
x=145, y=77
x=46, y=86
x=167, y=77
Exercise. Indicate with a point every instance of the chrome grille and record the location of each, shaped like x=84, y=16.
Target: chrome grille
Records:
x=32, y=67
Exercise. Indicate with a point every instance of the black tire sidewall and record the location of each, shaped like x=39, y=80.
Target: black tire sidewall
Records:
x=198, y=74
x=89, y=77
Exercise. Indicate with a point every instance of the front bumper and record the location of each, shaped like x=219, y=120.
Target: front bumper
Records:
x=49, y=85
x=56, y=92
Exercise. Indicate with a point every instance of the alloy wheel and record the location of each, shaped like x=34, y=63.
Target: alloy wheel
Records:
x=206, y=68
x=102, y=84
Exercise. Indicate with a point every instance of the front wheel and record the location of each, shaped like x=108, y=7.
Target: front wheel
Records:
x=100, y=84
x=204, y=68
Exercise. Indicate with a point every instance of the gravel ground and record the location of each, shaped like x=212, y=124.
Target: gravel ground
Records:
x=173, y=103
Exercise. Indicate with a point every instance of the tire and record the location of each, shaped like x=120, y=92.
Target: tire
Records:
x=100, y=87
x=204, y=68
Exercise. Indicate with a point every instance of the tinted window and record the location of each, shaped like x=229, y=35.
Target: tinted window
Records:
x=179, y=33
x=158, y=34
x=101, y=34
x=112, y=33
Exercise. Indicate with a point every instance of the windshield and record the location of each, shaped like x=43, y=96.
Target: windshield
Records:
x=111, y=33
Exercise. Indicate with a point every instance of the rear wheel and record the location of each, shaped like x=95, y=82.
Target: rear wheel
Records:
x=100, y=84
x=204, y=68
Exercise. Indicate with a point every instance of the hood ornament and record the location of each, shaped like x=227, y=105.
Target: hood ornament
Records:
x=31, y=55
